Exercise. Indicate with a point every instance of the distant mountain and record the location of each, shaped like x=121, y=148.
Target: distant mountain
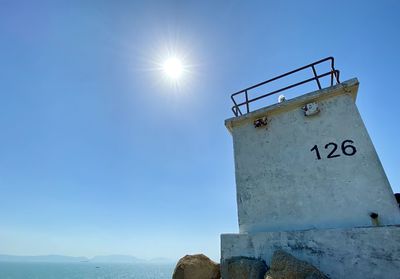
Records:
x=116, y=259
x=46, y=258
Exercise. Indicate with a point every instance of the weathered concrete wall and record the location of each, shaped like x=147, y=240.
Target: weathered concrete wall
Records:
x=358, y=253
x=281, y=183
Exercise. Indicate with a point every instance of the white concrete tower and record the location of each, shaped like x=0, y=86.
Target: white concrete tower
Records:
x=302, y=171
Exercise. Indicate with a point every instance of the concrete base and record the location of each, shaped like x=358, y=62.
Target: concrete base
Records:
x=370, y=252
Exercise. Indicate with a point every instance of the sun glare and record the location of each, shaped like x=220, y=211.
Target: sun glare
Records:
x=173, y=68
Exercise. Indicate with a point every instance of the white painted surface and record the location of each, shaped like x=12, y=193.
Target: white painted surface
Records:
x=358, y=253
x=282, y=186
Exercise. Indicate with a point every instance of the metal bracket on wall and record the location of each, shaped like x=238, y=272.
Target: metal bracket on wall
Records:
x=260, y=122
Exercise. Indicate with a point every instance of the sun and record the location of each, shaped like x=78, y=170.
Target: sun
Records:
x=173, y=68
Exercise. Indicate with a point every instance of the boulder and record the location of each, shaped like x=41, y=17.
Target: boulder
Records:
x=196, y=267
x=243, y=268
x=285, y=266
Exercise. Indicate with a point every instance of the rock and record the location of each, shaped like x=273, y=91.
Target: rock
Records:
x=285, y=266
x=243, y=268
x=196, y=267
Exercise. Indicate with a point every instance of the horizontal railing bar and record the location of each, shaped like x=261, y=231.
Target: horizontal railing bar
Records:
x=335, y=74
x=286, y=74
x=287, y=87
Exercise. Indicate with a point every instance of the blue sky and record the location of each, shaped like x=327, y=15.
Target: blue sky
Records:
x=101, y=155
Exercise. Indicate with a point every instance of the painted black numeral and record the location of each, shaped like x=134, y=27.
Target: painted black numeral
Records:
x=347, y=148
x=331, y=155
x=316, y=151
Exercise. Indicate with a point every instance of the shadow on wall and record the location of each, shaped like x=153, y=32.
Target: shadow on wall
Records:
x=397, y=196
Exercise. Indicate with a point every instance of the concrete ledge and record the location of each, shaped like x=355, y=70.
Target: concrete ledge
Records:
x=347, y=87
x=369, y=252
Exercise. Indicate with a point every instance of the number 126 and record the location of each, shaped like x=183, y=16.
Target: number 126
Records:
x=347, y=147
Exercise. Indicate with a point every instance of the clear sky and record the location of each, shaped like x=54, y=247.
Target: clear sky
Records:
x=100, y=154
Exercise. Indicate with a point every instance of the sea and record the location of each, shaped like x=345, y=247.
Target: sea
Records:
x=84, y=270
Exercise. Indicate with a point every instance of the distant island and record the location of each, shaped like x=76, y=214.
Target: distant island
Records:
x=96, y=259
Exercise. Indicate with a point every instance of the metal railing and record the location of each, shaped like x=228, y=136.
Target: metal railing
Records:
x=334, y=74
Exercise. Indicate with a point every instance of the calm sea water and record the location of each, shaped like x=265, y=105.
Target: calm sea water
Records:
x=84, y=271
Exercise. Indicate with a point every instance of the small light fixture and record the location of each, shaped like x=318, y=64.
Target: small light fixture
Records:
x=310, y=109
x=374, y=216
